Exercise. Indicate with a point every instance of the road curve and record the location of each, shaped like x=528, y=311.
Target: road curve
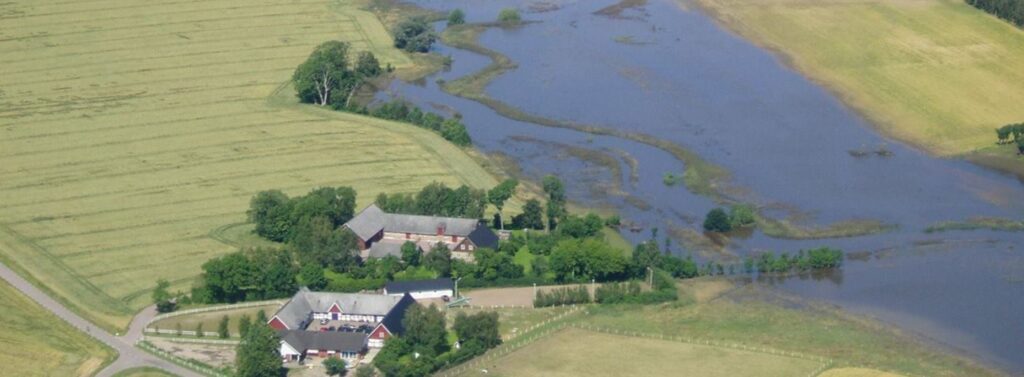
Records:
x=128, y=355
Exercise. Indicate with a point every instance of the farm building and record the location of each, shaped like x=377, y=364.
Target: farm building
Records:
x=421, y=289
x=381, y=234
x=343, y=324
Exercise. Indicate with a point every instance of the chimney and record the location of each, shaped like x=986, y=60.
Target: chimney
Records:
x=440, y=229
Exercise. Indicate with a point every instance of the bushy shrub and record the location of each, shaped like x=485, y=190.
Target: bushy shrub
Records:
x=562, y=296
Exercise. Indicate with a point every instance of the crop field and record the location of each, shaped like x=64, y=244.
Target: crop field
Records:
x=131, y=131
x=575, y=352
x=938, y=74
x=36, y=343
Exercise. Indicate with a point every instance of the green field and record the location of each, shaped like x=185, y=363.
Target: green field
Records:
x=211, y=320
x=938, y=74
x=574, y=352
x=718, y=310
x=132, y=133
x=36, y=343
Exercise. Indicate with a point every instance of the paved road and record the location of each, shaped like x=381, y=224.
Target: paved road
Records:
x=129, y=356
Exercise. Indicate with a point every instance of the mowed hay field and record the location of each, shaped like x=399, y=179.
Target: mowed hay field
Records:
x=130, y=130
x=574, y=352
x=36, y=343
x=938, y=74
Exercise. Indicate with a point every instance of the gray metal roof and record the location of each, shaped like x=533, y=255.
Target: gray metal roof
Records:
x=367, y=222
x=324, y=340
x=384, y=248
x=372, y=219
x=297, y=311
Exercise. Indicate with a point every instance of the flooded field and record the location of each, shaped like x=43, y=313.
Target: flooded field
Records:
x=789, y=147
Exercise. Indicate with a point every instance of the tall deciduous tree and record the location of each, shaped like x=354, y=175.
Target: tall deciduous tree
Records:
x=439, y=259
x=414, y=35
x=162, y=298
x=257, y=354
x=325, y=72
x=425, y=329
x=500, y=194
x=555, y=190
x=456, y=17
x=532, y=216
x=411, y=254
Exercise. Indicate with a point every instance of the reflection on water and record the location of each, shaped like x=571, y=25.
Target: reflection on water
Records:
x=674, y=74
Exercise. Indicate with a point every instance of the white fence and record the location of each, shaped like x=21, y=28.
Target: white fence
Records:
x=193, y=340
x=150, y=330
x=217, y=308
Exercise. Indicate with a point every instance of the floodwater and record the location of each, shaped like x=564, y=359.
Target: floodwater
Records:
x=673, y=73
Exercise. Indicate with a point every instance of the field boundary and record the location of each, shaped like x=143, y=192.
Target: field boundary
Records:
x=216, y=308
x=194, y=366
x=225, y=342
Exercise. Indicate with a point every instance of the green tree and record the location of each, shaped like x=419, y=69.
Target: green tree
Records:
x=365, y=371
x=162, y=298
x=439, y=259
x=455, y=132
x=717, y=221
x=501, y=193
x=532, y=216
x=324, y=72
x=575, y=259
x=270, y=211
x=509, y=16
x=425, y=329
x=456, y=17
x=257, y=354
x=481, y=328
x=1020, y=146
x=367, y=65
x=261, y=317
x=411, y=254
x=335, y=367
x=581, y=227
x=244, y=323
x=555, y=190
x=199, y=330
x=741, y=215
x=414, y=35
x=312, y=276
x=222, y=327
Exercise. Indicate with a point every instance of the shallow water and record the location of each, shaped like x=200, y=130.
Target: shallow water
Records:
x=675, y=74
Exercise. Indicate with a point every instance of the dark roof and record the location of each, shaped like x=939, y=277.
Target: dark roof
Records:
x=483, y=236
x=439, y=284
x=324, y=340
x=393, y=321
x=372, y=220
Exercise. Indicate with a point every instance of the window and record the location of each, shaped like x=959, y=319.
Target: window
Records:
x=408, y=236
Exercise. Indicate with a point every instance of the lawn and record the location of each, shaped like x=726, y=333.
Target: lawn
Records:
x=938, y=74
x=36, y=343
x=211, y=320
x=718, y=310
x=134, y=133
x=574, y=352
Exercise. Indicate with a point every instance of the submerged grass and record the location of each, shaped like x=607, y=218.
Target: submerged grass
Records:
x=782, y=228
x=700, y=176
x=978, y=223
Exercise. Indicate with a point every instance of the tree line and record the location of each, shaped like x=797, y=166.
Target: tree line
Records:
x=1010, y=10
x=329, y=78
